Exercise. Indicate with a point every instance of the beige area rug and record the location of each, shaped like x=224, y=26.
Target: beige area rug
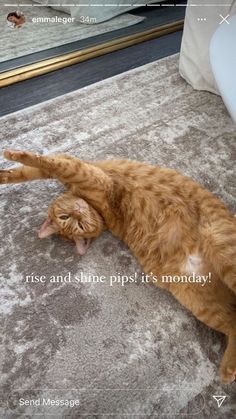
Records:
x=35, y=37
x=121, y=351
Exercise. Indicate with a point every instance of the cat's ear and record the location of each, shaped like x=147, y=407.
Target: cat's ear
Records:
x=80, y=206
x=82, y=245
x=47, y=229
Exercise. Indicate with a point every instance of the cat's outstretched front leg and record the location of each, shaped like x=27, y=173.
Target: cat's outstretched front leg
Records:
x=23, y=173
x=84, y=179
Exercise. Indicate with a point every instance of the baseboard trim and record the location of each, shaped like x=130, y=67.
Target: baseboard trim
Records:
x=26, y=72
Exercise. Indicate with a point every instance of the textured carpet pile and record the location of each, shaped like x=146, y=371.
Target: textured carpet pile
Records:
x=121, y=351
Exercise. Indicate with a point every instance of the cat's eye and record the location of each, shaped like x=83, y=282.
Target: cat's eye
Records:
x=64, y=217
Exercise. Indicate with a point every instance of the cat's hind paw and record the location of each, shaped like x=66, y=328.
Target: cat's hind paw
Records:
x=228, y=373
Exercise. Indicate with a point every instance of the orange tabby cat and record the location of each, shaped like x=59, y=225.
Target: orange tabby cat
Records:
x=172, y=224
x=75, y=219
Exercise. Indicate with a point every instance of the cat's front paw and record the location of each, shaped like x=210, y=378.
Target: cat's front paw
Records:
x=14, y=155
x=4, y=176
x=24, y=157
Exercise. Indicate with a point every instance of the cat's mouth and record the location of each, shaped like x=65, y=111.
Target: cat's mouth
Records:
x=82, y=245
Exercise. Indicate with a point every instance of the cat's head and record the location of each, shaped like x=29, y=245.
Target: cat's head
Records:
x=74, y=219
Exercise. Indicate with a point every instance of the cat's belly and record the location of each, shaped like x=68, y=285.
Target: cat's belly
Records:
x=193, y=264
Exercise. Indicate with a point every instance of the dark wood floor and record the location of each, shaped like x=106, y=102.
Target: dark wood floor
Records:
x=37, y=90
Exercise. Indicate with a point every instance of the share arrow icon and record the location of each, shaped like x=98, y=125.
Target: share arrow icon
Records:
x=219, y=400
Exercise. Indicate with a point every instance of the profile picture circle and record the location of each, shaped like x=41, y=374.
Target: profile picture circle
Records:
x=15, y=19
